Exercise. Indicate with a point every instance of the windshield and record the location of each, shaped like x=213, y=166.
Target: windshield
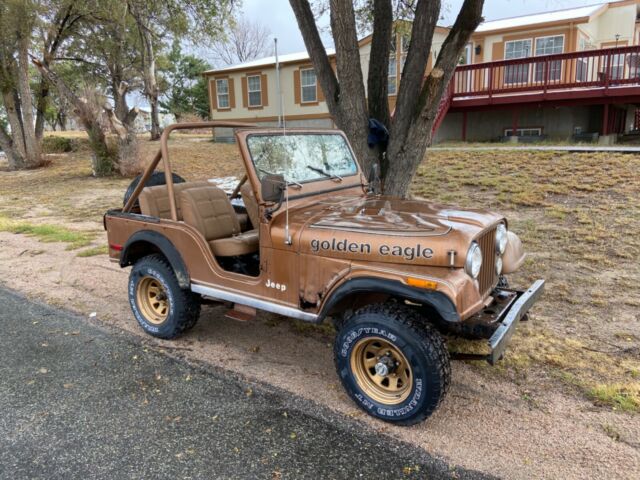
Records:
x=302, y=157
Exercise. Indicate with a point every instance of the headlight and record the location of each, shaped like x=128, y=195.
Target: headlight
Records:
x=501, y=238
x=498, y=265
x=474, y=260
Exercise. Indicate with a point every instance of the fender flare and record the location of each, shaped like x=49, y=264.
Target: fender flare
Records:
x=162, y=243
x=440, y=302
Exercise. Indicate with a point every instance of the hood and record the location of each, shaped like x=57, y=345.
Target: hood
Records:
x=382, y=229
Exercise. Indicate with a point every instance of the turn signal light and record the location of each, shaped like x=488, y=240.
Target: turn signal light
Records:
x=421, y=283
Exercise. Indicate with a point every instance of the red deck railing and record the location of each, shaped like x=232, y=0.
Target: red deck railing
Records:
x=604, y=68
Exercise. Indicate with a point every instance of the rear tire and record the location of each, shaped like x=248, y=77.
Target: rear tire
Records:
x=392, y=364
x=161, y=307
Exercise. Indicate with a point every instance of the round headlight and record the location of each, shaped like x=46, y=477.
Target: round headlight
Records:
x=474, y=260
x=498, y=265
x=501, y=238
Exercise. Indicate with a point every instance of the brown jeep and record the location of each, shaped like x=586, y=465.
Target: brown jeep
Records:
x=302, y=235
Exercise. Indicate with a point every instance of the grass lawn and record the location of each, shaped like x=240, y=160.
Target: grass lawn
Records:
x=578, y=216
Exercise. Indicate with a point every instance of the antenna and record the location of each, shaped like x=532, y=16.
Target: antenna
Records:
x=279, y=90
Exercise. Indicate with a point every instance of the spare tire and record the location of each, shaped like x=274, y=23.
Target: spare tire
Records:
x=156, y=178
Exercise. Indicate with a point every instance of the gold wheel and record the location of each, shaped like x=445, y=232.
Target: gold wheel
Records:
x=152, y=300
x=381, y=370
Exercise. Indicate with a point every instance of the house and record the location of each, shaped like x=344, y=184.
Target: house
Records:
x=554, y=74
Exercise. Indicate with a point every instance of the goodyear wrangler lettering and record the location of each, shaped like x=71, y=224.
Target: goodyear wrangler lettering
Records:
x=346, y=246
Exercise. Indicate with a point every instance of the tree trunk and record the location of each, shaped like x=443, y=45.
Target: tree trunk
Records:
x=417, y=100
x=416, y=109
x=150, y=84
x=33, y=154
x=128, y=159
x=14, y=158
x=104, y=156
x=345, y=98
x=41, y=107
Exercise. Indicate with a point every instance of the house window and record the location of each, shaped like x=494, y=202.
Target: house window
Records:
x=393, y=68
x=516, y=49
x=309, y=85
x=524, y=132
x=549, y=46
x=254, y=90
x=222, y=92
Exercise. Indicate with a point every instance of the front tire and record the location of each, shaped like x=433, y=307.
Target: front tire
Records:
x=161, y=307
x=392, y=364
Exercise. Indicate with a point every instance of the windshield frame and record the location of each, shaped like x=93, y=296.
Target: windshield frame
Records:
x=291, y=132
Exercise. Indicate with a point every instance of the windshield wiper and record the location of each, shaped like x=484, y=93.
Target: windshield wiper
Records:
x=332, y=176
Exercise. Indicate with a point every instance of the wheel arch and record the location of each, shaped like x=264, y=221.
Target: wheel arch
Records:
x=353, y=289
x=146, y=242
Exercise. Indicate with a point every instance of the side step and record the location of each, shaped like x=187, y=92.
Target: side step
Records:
x=241, y=313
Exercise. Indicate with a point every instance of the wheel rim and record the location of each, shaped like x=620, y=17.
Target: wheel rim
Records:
x=381, y=370
x=152, y=300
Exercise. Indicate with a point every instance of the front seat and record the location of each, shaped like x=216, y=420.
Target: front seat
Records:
x=250, y=204
x=209, y=210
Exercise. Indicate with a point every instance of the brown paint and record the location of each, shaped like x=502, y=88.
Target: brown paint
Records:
x=245, y=100
x=264, y=90
x=296, y=87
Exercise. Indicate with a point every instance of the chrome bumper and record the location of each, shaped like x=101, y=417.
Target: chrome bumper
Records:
x=511, y=317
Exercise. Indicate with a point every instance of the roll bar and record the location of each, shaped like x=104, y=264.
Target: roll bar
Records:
x=163, y=154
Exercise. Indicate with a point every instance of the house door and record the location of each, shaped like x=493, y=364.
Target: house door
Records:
x=466, y=58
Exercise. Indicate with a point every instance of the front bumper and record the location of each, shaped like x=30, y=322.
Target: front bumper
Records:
x=509, y=319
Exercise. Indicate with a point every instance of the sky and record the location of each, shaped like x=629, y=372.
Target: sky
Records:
x=278, y=17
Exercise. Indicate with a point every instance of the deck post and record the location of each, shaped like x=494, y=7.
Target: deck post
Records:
x=514, y=125
x=464, y=126
x=605, y=120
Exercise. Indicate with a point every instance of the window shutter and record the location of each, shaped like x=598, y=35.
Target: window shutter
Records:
x=296, y=86
x=264, y=89
x=245, y=100
x=319, y=91
x=232, y=93
x=213, y=88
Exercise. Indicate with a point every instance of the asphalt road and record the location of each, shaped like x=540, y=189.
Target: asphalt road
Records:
x=80, y=401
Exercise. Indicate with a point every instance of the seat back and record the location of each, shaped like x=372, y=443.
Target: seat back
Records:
x=154, y=201
x=209, y=210
x=251, y=204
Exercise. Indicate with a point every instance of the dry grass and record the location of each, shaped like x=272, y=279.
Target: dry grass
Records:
x=577, y=214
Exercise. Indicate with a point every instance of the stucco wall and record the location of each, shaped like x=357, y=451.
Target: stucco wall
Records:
x=617, y=20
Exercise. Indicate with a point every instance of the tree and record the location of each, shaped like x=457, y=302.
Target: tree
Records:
x=196, y=19
x=245, y=41
x=418, y=97
x=186, y=88
x=58, y=20
x=20, y=144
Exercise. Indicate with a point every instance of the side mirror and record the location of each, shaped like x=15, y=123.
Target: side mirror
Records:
x=272, y=187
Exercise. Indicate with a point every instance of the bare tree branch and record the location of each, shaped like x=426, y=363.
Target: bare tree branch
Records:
x=245, y=41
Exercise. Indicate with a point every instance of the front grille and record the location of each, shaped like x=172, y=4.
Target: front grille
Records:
x=487, y=278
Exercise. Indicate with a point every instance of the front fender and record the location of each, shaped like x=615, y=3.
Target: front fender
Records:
x=437, y=300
